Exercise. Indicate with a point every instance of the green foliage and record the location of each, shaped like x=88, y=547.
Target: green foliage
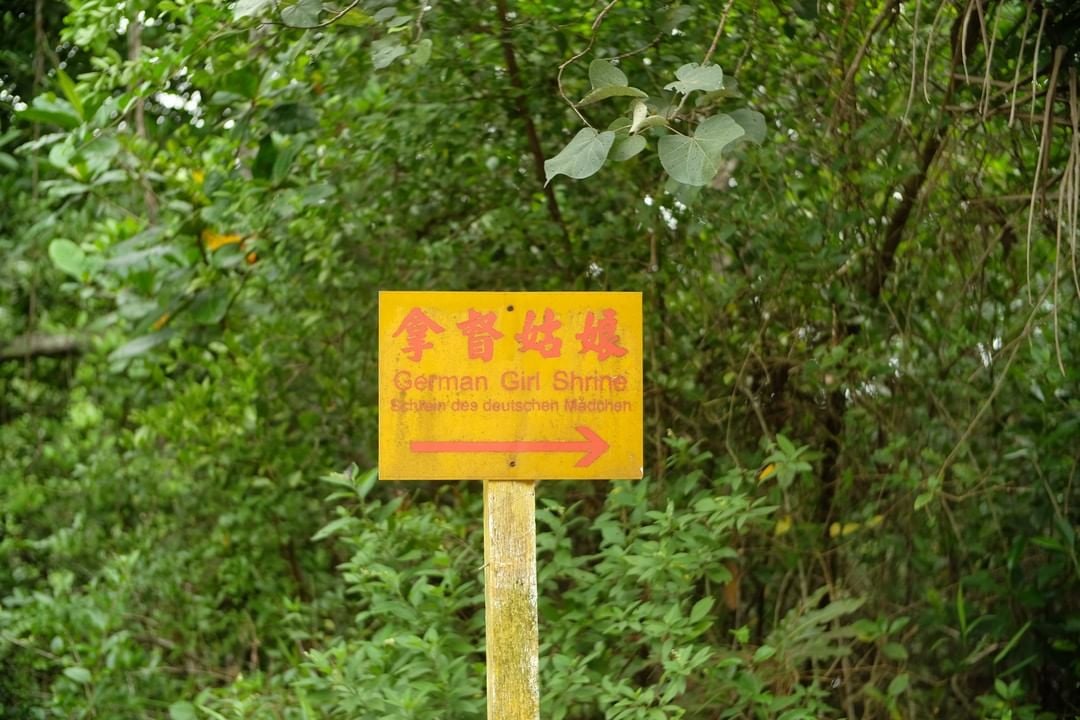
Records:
x=862, y=390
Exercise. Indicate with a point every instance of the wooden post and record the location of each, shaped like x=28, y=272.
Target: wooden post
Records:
x=511, y=626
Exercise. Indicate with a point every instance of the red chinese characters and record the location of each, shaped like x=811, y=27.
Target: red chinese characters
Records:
x=416, y=326
x=540, y=338
x=479, y=328
x=600, y=337
x=599, y=334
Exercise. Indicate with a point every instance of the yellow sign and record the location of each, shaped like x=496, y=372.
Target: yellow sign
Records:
x=503, y=385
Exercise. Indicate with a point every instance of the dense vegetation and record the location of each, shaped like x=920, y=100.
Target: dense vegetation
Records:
x=863, y=382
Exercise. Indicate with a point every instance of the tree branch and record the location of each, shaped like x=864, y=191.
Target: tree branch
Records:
x=514, y=73
x=35, y=345
x=895, y=231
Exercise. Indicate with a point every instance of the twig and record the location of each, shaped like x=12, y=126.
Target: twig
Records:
x=326, y=23
x=856, y=62
x=1020, y=61
x=1066, y=183
x=708, y=53
x=1016, y=345
x=963, y=40
x=1040, y=164
x=1074, y=153
x=574, y=58
x=1035, y=58
x=989, y=58
x=929, y=45
x=914, y=49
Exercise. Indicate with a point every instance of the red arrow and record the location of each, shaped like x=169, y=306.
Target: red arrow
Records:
x=593, y=446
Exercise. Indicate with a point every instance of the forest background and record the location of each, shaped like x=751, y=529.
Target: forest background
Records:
x=863, y=410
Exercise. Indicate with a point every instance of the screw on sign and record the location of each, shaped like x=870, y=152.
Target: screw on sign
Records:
x=510, y=388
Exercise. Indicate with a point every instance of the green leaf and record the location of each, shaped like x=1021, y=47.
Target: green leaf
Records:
x=693, y=77
x=898, y=685
x=923, y=499
x=334, y=526
x=385, y=51
x=262, y=167
x=603, y=74
x=355, y=18
x=696, y=160
x=763, y=653
x=292, y=117
x=786, y=446
x=46, y=109
x=583, y=156
x=68, y=257
x=422, y=53
x=9, y=136
x=625, y=148
x=366, y=482
x=701, y=609
x=249, y=8
x=304, y=14
x=182, y=710
x=78, y=674
x=752, y=122
x=611, y=91
x=675, y=17
x=72, y=95
x=895, y=651
x=866, y=630
x=210, y=306
x=1012, y=642
x=140, y=345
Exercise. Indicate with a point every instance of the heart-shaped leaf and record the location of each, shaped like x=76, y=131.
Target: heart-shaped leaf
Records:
x=304, y=14
x=248, y=8
x=693, y=77
x=603, y=74
x=611, y=91
x=696, y=160
x=627, y=147
x=752, y=122
x=583, y=156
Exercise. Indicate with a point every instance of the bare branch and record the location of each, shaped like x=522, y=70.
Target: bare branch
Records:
x=35, y=345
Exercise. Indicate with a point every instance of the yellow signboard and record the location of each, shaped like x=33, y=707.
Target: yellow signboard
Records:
x=504, y=385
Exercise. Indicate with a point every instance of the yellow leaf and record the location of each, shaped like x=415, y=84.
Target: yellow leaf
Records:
x=213, y=240
x=834, y=530
x=849, y=528
x=875, y=521
x=160, y=322
x=783, y=525
x=767, y=472
x=198, y=176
